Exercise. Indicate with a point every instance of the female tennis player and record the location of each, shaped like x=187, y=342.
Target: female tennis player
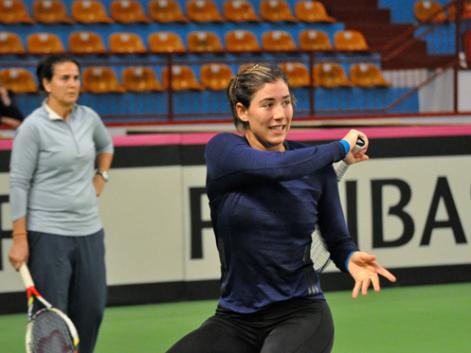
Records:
x=266, y=195
x=54, y=188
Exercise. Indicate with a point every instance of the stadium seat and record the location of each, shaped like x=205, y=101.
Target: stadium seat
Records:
x=349, y=40
x=297, y=74
x=165, y=42
x=330, y=75
x=50, y=11
x=278, y=41
x=215, y=77
x=183, y=78
x=241, y=41
x=203, y=11
x=367, y=75
x=128, y=11
x=452, y=9
x=311, y=12
x=276, y=11
x=204, y=41
x=14, y=11
x=18, y=80
x=467, y=9
x=140, y=79
x=90, y=11
x=10, y=43
x=239, y=11
x=425, y=9
x=165, y=11
x=311, y=39
x=44, y=43
x=100, y=79
x=126, y=43
x=86, y=43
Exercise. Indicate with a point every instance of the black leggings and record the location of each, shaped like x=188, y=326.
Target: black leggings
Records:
x=294, y=326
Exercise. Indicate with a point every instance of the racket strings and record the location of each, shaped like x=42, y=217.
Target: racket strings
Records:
x=50, y=334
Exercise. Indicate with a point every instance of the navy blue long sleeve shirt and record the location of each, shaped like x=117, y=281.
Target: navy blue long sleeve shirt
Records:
x=264, y=207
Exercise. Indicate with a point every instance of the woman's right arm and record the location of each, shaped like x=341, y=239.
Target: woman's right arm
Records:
x=22, y=166
x=19, y=251
x=231, y=161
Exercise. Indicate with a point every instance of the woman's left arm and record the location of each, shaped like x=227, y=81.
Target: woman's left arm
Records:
x=104, y=158
x=331, y=220
x=343, y=251
x=103, y=166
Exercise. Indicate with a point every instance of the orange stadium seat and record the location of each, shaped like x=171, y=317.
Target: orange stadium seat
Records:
x=311, y=11
x=330, y=75
x=50, y=11
x=100, y=79
x=183, y=78
x=86, y=43
x=165, y=42
x=349, y=40
x=276, y=11
x=367, y=76
x=140, y=79
x=10, y=43
x=203, y=11
x=241, y=41
x=128, y=11
x=297, y=74
x=18, y=80
x=126, y=43
x=204, y=41
x=452, y=9
x=425, y=9
x=467, y=9
x=90, y=11
x=14, y=11
x=215, y=77
x=239, y=11
x=165, y=11
x=311, y=39
x=278, y=41
x=44, y=43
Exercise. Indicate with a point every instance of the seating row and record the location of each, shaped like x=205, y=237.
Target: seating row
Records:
x=163, y=11
x=81, y=42
x=213, y=76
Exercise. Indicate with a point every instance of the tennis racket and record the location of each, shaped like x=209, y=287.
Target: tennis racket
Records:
x=49, y=330
x=320, y=255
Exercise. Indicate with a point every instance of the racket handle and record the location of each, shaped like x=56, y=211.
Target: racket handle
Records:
x=26, y=276
x=358, y=145
x=341, y=167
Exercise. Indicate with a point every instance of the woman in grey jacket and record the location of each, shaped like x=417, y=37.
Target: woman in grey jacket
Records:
x=53, y=194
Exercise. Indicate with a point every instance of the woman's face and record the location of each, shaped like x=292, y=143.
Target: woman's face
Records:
x=269, y=116
x=64, y=87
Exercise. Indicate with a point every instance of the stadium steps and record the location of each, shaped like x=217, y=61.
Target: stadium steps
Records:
x=379, y=32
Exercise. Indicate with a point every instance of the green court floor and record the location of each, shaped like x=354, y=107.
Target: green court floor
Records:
x=423, y=319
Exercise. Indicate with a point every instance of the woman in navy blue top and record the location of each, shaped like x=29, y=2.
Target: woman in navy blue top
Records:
x=266, y=196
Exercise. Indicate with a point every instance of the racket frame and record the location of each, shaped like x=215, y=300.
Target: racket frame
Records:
x=32, y=294
x=318, y=240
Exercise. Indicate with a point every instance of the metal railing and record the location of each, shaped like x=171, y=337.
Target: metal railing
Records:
x=172, y=106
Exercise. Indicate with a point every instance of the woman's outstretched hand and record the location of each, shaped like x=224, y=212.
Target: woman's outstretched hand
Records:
x=365, y=270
